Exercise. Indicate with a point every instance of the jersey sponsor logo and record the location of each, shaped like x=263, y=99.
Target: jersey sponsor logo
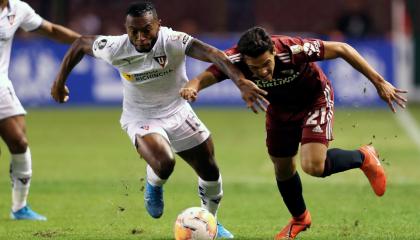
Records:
x=276, y=81
x=100, y=44
x=311, y=48
x=161, y=60
x=141, y=77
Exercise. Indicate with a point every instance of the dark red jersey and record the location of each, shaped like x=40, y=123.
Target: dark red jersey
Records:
x=297, y=81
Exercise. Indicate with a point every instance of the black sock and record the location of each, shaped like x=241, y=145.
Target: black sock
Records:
x=341, y=160
x=291, y=191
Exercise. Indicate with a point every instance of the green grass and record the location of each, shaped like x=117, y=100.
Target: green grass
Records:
x=87, y=180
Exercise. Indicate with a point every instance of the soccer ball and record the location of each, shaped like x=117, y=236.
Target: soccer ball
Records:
x=195, y=223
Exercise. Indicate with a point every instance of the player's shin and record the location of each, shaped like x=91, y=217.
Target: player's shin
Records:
x=211, y=193
x=291, y=192
x=20, y=174
x=339, y=160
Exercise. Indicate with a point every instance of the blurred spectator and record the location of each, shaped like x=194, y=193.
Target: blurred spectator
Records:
x=189, y=26
x=86, y=23
x=355, y=21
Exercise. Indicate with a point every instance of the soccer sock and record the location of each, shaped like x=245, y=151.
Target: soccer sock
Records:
x=341, y=160
x=153, y=178
x=20, y=174
x=211, y=193
x=291, y=191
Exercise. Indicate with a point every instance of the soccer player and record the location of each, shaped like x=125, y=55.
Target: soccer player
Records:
x=301, y=110
x=151, y=62
x=15, y=14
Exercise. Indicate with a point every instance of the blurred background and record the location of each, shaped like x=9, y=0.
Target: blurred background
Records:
x=384, y=31
x=86, y=169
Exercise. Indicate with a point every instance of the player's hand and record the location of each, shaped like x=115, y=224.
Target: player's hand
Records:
x=60, y=92
x=253, y=95
x=390, y=94
x=189, y=94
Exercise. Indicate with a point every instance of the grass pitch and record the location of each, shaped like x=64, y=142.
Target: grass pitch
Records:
x=88, y=180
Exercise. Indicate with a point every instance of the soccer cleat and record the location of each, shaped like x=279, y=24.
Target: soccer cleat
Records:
x=153, y=200
x=373, y=169
x=26, y=213
x=222, y=232
x=295, y=226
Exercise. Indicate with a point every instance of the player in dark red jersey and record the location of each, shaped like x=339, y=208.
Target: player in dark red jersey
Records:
x=301, y=110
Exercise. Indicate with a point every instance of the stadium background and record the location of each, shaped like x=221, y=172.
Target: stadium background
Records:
x=85, y=168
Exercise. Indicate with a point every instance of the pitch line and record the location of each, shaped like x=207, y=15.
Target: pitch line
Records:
x=410, y=126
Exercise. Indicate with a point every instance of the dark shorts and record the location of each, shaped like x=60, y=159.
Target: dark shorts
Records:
x=286, y=129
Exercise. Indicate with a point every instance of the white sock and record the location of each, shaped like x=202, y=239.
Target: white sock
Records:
x=211, y=192
x=153, y=178
x=20, y=174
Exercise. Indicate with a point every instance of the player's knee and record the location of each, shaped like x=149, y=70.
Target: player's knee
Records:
x=165, y=167
x=18, y=145
x=313, y=168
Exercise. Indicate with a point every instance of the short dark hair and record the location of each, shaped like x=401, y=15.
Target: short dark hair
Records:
x=138, y=9
x=254, y=42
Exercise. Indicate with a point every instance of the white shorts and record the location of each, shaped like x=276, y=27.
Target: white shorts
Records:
x=9, y=103
x=183, y=130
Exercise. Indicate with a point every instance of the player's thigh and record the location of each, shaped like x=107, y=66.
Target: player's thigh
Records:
x=283, y=137
x=150, y=141
x=317, y=132
x=12, y=121
x=154, y=147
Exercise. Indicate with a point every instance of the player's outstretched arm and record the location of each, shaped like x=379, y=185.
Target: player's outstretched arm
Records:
x=251, y=93
x=74, y=55
x=57, y=32
x=190, y=90
x=386, y=90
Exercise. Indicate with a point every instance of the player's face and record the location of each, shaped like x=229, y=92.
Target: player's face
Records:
x=261, y=66
x=143, y=31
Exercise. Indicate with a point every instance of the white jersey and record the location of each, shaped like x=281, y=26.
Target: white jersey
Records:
x=152, y=80
x=16, y=14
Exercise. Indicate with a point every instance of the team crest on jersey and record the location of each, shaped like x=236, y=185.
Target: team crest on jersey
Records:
x=145, y=127
x=161, y=60
x=11, y=19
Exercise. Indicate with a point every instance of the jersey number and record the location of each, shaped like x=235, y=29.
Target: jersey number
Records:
x=312, y=120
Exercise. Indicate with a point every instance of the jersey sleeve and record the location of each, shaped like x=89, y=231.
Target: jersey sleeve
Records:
x=179, y=42
x=233, y=56
x=105, y=47
x=31, y=20
x=304, y=50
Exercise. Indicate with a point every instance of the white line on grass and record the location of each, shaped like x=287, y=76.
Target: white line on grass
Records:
x=410, y=126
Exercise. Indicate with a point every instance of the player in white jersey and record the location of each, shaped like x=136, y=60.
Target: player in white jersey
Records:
x=16, y=14
x=151, y=62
